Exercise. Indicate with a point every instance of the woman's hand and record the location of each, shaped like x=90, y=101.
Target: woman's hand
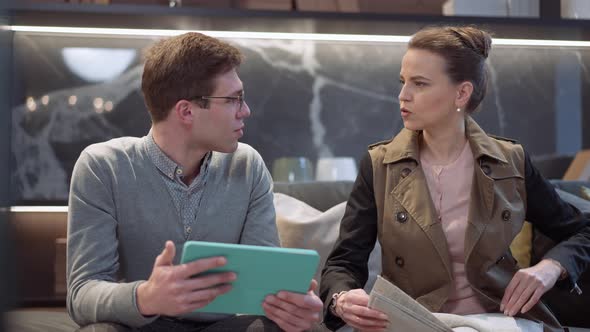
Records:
x=528, y=285
x=352, y=308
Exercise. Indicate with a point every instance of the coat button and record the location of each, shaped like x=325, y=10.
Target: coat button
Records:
x=506, y=215
x=401, y=217
x=405, y=172
x=399, y=261
x=486, y=169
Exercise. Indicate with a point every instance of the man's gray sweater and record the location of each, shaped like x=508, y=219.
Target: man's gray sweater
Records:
x=121, y=214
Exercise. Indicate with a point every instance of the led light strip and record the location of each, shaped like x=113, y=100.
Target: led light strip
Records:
x=277, y=35
x=37, y=209
x=219, y=34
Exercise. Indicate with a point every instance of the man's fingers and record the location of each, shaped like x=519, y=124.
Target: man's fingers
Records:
x=293, y=311
x=294, y=322
x=199, y=266
x=206, y=295
x=309, y=301
x=313, y=286
x=166, y=257
x=273, y=315
x=207, y=281
x=199, y=300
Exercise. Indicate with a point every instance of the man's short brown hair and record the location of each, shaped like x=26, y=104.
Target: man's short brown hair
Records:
x=182, y=67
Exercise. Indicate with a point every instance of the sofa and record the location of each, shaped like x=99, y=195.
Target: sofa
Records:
x=308, y=214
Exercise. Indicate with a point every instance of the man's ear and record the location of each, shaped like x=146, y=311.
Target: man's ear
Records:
x=464, y=91
x=183, y=109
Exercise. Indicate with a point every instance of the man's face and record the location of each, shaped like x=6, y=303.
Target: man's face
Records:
x=219, y=127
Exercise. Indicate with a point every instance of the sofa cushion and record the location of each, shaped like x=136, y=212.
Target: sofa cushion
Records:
x=30, y=320
x=302, y=226
x=321, y=195
x=553, y=166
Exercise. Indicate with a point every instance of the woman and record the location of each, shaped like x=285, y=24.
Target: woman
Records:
x=445, y=201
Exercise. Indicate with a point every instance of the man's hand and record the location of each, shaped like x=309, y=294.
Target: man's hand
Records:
x=352, y=308
x=528, y=285
x=294, y=312
x=171, y=291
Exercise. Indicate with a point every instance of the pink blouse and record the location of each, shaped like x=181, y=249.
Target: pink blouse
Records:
x=450, y=190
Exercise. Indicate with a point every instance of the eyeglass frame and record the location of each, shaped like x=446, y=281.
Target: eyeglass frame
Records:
x=239, y=98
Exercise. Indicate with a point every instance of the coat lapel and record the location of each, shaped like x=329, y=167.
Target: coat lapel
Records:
x=480, y=208
x=413, y=194
x=486, y=154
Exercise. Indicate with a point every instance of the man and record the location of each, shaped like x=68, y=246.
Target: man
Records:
x=188, y=179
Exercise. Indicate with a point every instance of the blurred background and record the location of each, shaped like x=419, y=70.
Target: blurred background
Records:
x=316, y=104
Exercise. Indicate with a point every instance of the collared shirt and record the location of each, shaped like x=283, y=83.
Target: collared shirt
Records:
x=186, y=198
x=450, y=191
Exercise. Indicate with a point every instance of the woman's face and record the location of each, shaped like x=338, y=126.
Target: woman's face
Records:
x=427, y=98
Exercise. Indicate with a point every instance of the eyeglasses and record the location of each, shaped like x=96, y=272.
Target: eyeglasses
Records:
x=235, y=100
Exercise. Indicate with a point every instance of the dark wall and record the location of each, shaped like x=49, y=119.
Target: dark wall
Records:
x=5, y=107
x=586, y=98
x=6, y=262
x=308, y=98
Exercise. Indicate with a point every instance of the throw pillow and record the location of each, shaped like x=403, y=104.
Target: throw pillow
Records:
x=302, y=226
x=522, y=245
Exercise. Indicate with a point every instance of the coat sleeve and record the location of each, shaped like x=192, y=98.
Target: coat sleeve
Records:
x=561, y=222
x=346, y=266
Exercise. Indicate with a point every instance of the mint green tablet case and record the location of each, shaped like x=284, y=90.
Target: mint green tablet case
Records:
x=260, y=271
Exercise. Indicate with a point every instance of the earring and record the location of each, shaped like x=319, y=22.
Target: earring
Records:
x=458, y=109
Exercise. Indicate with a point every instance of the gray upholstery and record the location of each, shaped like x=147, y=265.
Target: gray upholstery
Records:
x=39, y=321
x=553, y=166
x=573, y=187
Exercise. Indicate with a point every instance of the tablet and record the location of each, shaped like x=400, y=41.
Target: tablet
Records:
x=261, y=271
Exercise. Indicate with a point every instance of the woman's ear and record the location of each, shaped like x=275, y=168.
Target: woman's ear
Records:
x=464, y=91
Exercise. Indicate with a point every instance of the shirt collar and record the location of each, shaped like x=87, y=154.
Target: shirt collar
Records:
x=405, y=145
x=166, y=165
